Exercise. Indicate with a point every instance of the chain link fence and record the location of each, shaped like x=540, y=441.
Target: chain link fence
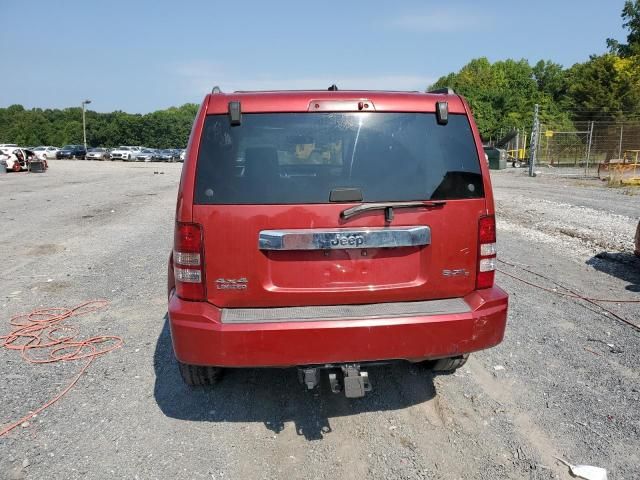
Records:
x=579, y=149
x=589, y=144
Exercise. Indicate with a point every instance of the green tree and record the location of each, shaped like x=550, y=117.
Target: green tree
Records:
x=631, y=16
x=164, y=128
x=551, y=79
x=502, y=95
x=605, y=87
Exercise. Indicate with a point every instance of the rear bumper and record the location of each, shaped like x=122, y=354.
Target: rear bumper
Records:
x=200, y=338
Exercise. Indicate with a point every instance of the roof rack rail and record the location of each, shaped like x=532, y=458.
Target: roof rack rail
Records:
x=215, y=90
x=323, y=90
x=445, y=90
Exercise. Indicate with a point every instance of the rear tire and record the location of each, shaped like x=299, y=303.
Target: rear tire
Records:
x=451, y=364
x=197, y=376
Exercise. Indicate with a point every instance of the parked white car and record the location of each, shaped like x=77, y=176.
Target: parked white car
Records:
x=45, y=152
x=17, y=158
x=8, y=156
x=124, y=153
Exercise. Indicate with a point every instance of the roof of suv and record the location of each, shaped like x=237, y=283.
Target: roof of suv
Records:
x=342, y=100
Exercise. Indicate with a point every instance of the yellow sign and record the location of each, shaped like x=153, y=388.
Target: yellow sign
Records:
x=548, y=133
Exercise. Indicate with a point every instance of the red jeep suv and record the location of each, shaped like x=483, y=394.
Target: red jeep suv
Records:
x=331, y=230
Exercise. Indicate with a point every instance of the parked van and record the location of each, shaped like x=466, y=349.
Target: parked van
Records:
x=329, y=230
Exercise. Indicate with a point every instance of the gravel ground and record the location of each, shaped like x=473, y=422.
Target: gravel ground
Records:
x=554, y=388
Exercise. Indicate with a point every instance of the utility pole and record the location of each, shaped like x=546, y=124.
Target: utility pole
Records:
x=533, y=147
x=84, y=123
x=586, y=167
x=620, y=144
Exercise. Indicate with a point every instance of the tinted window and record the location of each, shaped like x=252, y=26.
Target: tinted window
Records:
x=289, y=158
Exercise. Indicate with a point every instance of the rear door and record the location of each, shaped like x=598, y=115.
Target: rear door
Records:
x=271, y=194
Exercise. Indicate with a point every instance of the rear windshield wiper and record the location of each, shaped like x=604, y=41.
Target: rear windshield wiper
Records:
x=387, y=207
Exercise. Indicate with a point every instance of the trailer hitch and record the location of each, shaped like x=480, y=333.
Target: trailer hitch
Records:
x=348, y=378
x=351, y=379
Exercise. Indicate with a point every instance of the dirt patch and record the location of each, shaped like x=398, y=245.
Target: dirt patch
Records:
x=51, y=287
x=45, y=249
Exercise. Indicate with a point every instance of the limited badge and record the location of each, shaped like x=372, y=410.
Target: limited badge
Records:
x=456, y=272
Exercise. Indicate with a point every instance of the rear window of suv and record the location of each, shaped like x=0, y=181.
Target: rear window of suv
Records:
x=293, y=158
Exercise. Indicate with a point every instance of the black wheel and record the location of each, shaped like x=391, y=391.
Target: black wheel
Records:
x=450, y=364
x=517, y=164
x=197, y=376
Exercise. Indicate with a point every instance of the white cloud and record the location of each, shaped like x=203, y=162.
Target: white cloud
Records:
x=199, y=77
x=443, y=20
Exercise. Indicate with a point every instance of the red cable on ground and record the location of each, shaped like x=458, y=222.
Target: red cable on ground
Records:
x=571, y=294
x=43, y=330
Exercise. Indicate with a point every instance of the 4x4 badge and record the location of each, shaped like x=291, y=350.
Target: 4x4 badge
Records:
x=232, y=283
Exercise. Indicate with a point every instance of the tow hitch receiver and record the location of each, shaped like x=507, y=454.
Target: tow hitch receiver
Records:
x=348, y=378
x=354, y=381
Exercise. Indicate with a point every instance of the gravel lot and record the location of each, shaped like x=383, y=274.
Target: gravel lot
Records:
x=554, y=388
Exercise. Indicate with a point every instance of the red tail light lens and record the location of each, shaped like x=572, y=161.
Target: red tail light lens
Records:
x=487, y=229
x=486, y=252
x=188, y=261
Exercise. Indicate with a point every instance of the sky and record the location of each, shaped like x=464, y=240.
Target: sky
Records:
x=139, y=56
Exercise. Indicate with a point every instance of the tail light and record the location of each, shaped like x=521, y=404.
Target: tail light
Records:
x=486, y=252
x=188, y=261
